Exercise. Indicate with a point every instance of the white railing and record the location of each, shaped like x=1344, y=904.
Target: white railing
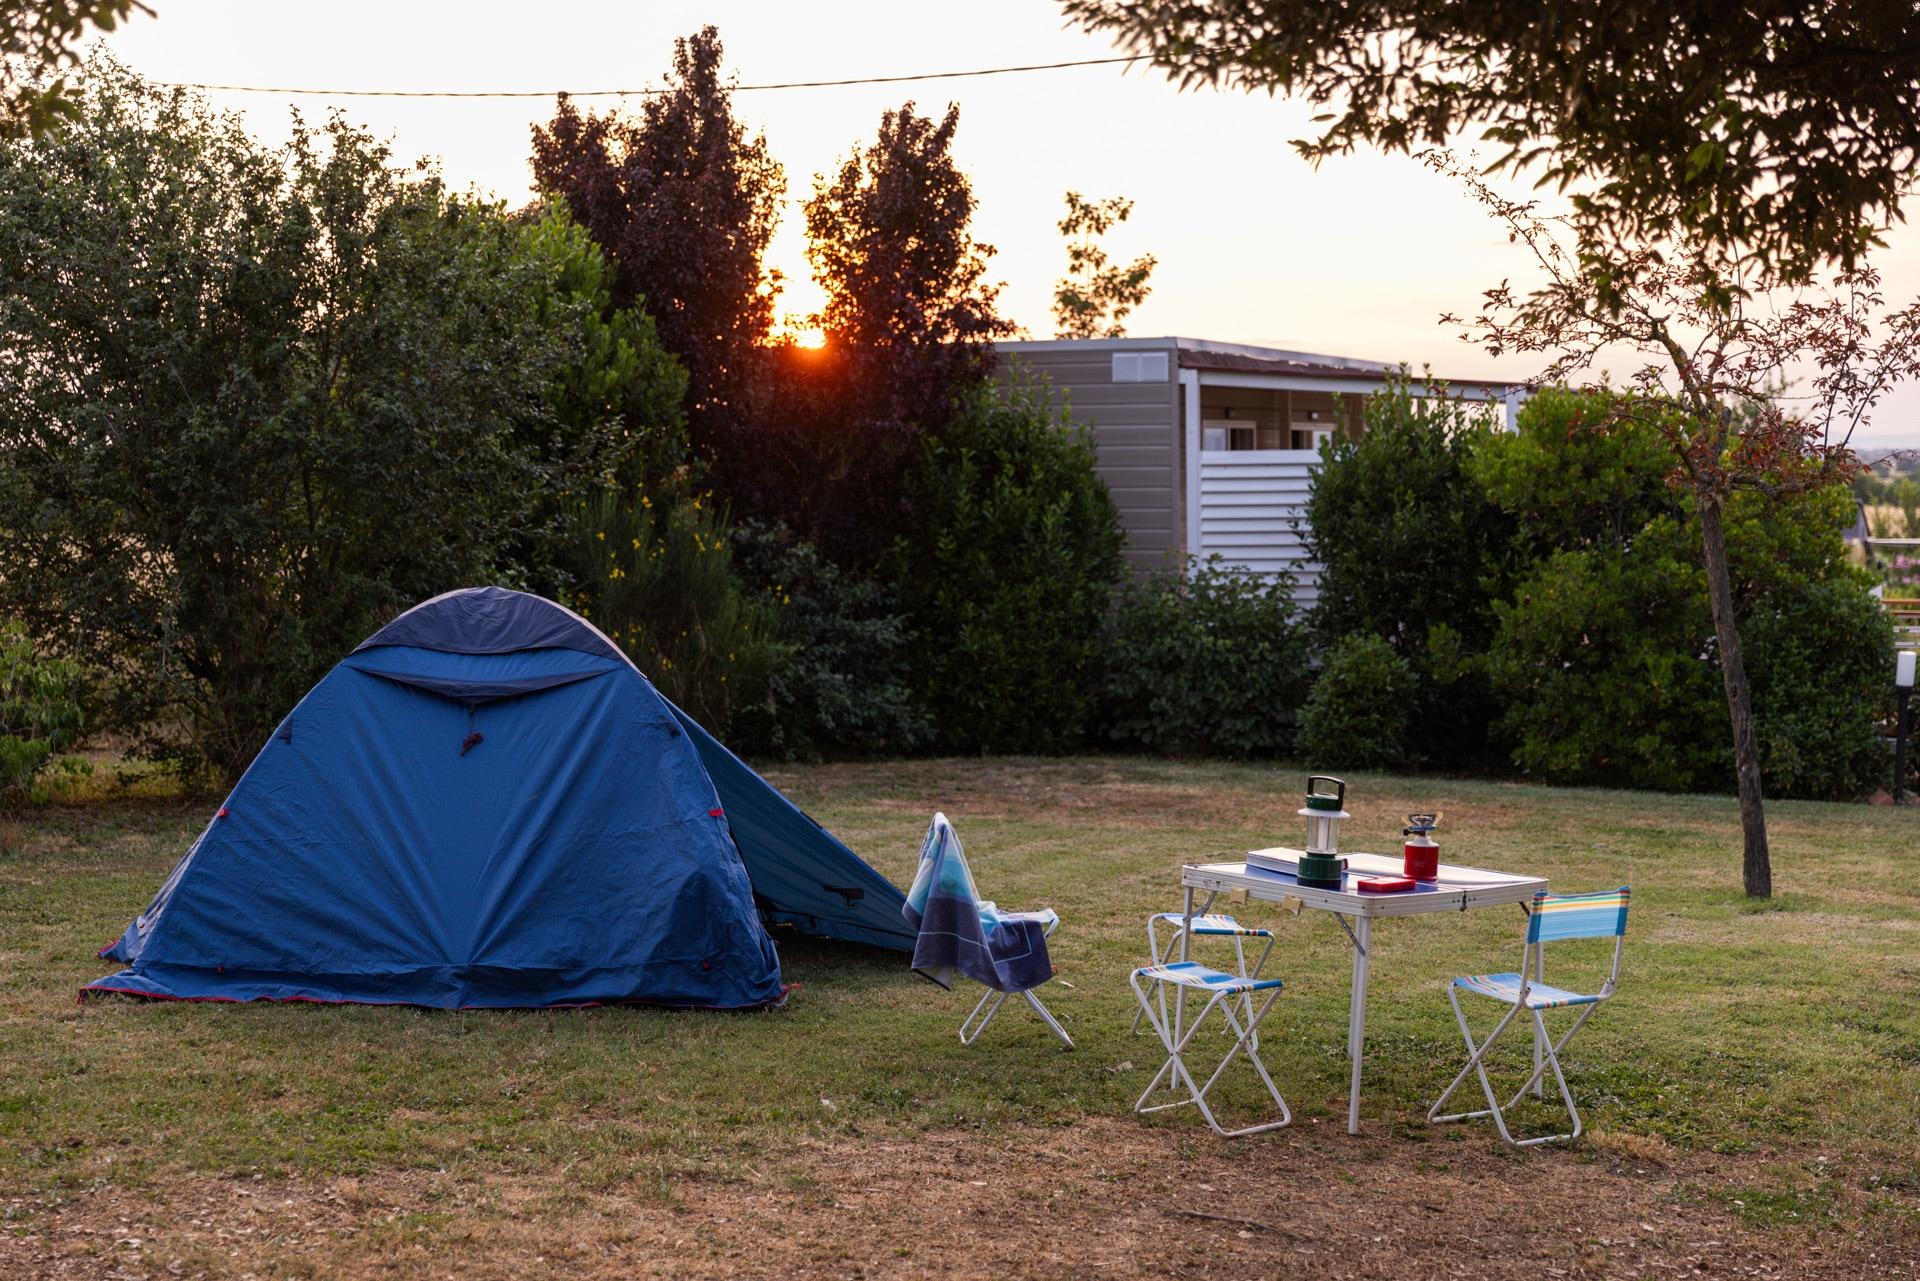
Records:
x=1251, y=509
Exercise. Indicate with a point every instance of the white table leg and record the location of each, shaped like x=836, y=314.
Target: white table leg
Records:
x=1357, y=1017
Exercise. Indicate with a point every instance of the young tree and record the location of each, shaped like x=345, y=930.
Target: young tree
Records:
x=890, y=238
x=1715, y=349
x=1093, y=299
x=1778, y=135
x=684, y=203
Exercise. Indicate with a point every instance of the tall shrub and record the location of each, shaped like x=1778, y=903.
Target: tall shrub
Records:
x=253, y=402
x=1006, y=574
x=1605, y=658
x=841, y=685
x=659, y=580
x=1413, y=553
x=1206, y=659
x=1360, y=714
x=41, y=714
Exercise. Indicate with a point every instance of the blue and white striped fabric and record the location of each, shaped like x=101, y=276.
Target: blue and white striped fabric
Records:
x=959, y=933
x=1216, y=923
x=1506, y=987
x=1578, y=916
x=1194, y=974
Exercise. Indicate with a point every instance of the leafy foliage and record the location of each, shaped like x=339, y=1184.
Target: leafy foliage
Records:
x=1717, y=348
x=1210, y=659
x=890, y=239
x=684, y=203
x=1822, y=688
x=1006, y=574
x=41, y=714
x=1360, y=712
x=616, y=391
x=908, y=320
x=1606, y=658
x=1665, y=117
x=254, y=402
x=1400, y=528
x=1414, y=553
x=842, y=685
x=38, y=46
x=1095, y=297
x=659, y=580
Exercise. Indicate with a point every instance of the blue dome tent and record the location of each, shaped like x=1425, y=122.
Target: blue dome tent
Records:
x=487, y=805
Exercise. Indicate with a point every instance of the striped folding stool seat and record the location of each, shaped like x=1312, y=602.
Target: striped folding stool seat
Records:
x=1552, y=917
x=1207, y=925
x=1225, y=993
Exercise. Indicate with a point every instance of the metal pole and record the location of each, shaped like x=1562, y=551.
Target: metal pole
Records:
x=1900, y=749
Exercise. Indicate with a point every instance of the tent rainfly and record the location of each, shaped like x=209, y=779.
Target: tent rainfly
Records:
x=487, y=805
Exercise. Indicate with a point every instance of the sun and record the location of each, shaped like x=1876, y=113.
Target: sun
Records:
x=810, y=336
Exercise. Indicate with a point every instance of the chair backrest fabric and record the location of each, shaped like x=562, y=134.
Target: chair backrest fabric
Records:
x=1578, y=916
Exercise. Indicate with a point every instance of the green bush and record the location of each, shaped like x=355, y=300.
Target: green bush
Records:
x=260, y=399
x=1360, y=713
x=1821, y=663
x=1006, y=575
x=659, y=580
x=840, y=685
x=40, y=716
x=1413, y=552
x=1213, y=659
x=1604, y=659
x=1603, y=667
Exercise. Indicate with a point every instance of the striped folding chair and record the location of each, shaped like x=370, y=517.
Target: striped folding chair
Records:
x=1224, y=992
x=1205, y=925
x=1553, y=917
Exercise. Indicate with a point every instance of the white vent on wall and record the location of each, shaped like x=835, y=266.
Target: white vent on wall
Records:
x=1139, y=366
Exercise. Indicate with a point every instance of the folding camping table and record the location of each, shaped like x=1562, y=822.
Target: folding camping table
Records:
x=1456, y=890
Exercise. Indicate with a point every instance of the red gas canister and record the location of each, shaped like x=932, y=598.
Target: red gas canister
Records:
x=1421, y=856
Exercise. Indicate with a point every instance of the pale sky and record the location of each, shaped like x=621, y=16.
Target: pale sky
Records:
x=1358, y=258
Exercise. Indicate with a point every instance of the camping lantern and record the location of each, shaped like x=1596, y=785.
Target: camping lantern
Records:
x=1421, y=854
x=1319, y=866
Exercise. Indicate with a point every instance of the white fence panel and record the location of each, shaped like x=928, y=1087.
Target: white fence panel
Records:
x=1253, y=512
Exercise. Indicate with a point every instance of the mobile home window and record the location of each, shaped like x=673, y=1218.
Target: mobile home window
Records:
x=1139, y=366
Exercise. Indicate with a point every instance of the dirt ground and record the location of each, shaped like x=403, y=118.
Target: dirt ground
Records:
x=1098, y=1198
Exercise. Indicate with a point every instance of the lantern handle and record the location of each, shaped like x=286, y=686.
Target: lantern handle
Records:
x=1339, y=787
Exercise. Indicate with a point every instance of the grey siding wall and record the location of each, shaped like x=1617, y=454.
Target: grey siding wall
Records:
x=1136, y=437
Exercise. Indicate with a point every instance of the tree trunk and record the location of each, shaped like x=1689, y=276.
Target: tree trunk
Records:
x=1756, y=868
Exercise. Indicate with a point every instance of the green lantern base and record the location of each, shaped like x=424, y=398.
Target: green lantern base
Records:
x=1320, y=871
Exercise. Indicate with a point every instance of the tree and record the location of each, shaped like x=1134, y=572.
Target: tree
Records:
x=617, y=395
x=890, y=239
x=909, y=321
x=1610, y=611
x=38, y=40
x=253, y=402
x=1412, y=552
x=1715, y=348
x=1006, y=574
x=1096, y=295
x=684, y=203
x=1778, y=135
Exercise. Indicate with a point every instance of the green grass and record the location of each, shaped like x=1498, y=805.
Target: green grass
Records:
x=1793, y=1029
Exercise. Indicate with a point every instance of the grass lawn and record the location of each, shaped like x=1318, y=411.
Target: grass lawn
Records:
x=1753, y=1094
